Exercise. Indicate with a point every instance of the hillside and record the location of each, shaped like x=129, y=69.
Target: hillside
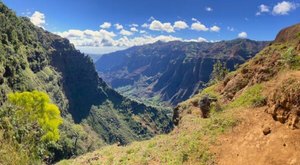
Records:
x=172, y=71
x=94, y=114
x=250, y=117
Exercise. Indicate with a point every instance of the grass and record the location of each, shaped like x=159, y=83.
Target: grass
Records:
x=251, y=97
x=188, y=145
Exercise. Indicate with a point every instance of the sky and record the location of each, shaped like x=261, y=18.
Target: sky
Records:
x=102, y=26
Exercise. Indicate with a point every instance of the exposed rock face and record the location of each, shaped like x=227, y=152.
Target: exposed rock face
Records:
x=284, y=103
x=289, y=34
x=174, y=70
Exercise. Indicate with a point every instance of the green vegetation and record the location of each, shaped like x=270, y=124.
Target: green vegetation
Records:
x=34, y=59
x=219, y=72
x=291, y=59
x=251, y=97
x=31, y=122
x=190, y=145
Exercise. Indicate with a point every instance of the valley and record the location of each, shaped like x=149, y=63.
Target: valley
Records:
x=174, y=71
x=179, y=93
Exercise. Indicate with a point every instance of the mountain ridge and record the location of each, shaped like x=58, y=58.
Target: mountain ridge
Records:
x=162, y=68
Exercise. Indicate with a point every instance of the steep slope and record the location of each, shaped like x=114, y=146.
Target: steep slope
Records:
x=174, y=70
x=34, y=59
x=251, y=117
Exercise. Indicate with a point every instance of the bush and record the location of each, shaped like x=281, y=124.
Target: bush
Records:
x=291, y=59
x=30, y=121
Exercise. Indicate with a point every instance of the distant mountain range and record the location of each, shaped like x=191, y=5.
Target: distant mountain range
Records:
x=95, y=57
x=171, y=71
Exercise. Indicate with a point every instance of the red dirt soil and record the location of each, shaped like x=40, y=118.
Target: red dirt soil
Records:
x=246, y=143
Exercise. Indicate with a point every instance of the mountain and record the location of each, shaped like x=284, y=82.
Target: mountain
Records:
x=34, y=59
x=173, y=71
x=95, y=57
x=250, y=117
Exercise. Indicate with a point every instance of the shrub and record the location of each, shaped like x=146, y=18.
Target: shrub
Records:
x=291, y=59
x=31, y=121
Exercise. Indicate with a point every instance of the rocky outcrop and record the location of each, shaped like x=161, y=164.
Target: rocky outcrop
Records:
x=284, y=103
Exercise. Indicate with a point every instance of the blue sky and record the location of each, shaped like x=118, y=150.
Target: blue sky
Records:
x=100, y=26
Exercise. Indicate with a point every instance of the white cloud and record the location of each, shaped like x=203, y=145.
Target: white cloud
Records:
x=134, y=25
x=198, y=26
x=106, y=41
x=194, y=19
x=118, y=26
x=143, y=32
x=208, y=9
x=89, y=37
x=230, y=28
x=158, y=26
x=200, y=39
x=145, y=25
x=180, y=25
x=263, y=9
x=215, y=29
x=146, y=39
x=151, y=19
x=283, y=8
x=243, y=35
x=126, y=32
x=105, y=25
x=38, y=19
x=133, y=29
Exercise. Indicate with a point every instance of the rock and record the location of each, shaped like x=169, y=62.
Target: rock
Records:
x=267, y=130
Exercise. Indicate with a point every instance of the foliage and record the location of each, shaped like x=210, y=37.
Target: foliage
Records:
x=34, y=59
x=35, y=108
x=291, y=59
x=219, y=72
x=188, y=145
x=31, y=122
x=75, y=139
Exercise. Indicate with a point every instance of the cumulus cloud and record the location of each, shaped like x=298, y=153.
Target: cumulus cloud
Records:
x=105, y=25
x=200, y=39
x=283, y=8
x=194, y=19
x=208, y=9
x=118, y=26
x=134, y=25
x=263, y=9
x=198, y=26
x=145, y=25
x=243, y=35
x=134, y=29
x=180, y=25
x=143, y=32
x=89, y=37
x=38, y=19
x=215, y=29
x=84, y=39
x=158, y=26
x=126, y=32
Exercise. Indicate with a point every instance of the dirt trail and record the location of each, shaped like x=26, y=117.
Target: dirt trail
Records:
x=246, y=144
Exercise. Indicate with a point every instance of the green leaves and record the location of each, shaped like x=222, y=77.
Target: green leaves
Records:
x=35, y=108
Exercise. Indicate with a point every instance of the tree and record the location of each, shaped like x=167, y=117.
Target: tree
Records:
x=31, y=120
x=219, y=72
